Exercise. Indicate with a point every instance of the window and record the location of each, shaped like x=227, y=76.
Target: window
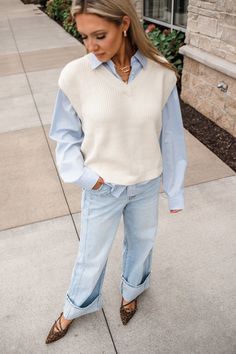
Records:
x=169, y=13
x=180, y=12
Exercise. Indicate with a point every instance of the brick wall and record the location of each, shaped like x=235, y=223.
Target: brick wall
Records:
x=210, y=58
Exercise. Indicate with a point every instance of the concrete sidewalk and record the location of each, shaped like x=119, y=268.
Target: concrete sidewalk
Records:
x=191, y=305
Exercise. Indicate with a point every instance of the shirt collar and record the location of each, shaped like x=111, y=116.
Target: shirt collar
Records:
x=95, y=63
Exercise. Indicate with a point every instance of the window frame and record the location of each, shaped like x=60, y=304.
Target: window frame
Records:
x=170, y=25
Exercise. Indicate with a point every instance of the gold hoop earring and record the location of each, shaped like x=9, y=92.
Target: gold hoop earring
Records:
x=125, y=33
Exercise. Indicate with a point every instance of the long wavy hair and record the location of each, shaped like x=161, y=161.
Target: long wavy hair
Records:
x=114, y=11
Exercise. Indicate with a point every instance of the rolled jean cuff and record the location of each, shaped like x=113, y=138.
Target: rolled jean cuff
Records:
x=71, y=311
x=130, y=292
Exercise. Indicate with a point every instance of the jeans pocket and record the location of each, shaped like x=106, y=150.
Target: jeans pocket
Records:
x=104, y=189
x=98, y=189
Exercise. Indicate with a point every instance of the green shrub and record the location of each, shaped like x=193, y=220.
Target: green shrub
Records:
x=168, y=43
x=59, y=10
x=70, y=26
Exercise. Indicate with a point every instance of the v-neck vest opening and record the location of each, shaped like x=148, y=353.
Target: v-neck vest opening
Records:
x=112, y=80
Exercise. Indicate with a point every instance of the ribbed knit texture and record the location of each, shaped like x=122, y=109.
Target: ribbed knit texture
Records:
x=121, y=122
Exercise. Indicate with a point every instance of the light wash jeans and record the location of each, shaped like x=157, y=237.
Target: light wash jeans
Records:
x=100, y=218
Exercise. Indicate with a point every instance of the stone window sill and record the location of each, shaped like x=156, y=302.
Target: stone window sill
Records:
x=210, y=60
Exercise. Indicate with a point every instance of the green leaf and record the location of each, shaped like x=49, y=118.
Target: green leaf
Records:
x=178, y=61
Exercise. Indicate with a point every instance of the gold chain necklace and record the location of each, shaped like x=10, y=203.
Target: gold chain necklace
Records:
x=125, y=69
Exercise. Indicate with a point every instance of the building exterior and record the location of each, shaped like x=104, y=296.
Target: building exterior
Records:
x=209, y=74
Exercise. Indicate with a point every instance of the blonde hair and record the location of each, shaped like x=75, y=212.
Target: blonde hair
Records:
x=114, y=11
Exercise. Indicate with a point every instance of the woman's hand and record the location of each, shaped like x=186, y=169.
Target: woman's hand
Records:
x=100, y=181
x=174, y=211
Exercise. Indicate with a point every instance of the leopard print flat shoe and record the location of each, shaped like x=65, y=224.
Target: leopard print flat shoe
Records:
x=126, y=314
x=57, y=332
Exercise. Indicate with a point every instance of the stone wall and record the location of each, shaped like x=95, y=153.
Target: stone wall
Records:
x=139, y=7
x=212, y=27
x=199, y=89
x=210, y=59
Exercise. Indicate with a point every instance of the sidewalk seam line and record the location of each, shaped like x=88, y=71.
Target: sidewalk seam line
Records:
x=113, y=342
x=34, y=222
x=212, y=180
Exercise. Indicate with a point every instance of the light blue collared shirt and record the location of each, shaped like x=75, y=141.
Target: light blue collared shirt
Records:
x=66, y=129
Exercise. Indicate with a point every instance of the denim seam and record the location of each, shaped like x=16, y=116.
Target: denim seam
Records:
x=85, y=234
x=126, y=253
x=102, y=281
x=150, y=259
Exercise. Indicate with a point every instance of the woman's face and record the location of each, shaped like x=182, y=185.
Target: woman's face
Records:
x=101, y=37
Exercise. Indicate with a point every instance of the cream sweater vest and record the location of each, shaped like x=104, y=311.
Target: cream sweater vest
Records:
x=121, y=122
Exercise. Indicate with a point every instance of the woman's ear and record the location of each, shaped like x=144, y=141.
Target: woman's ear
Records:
x=125, y=23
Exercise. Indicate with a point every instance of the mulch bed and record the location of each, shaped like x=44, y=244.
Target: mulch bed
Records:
x=211, y=135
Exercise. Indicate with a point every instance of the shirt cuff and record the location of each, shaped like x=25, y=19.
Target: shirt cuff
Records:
x=88, y=179
x=176, y=202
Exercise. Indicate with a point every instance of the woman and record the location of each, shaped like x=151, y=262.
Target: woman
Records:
x=119, y=130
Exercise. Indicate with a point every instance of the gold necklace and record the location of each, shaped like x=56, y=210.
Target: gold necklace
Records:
x=125, y=69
